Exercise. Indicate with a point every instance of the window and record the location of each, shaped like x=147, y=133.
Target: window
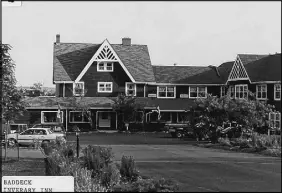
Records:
x=241, y=91
x=277, y=92
x=275, y=120
x=166, y=91
x=130, y=89
x=51, y=117
x=28, y=132
x=78, y=89
x=165, y=117
x=105, y=87
x=78, y=117
x=222, y=91
x=261, y=91
x=231, y=91
x=197, y=92
x=40, y=132
x=105, y=67
x=153, y=117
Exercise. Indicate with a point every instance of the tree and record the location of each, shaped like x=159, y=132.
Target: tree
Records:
x=12, y=104
x=126, y=108
x=247, y=112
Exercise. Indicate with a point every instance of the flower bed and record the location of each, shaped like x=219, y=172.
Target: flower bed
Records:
x=95, y=170
x=256, y=143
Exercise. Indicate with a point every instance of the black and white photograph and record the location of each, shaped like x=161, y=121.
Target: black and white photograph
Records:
x=141, y=96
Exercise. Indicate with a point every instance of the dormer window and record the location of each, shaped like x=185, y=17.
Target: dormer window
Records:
x=105, y=67
x=78, y=89
x=130, y=89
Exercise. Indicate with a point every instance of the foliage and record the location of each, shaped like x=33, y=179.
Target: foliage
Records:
x=126, y=108
x=12, y=104
x=110, y=176
x=148, y=185
x=247, y=112
x=128, y=169
x=97, y=158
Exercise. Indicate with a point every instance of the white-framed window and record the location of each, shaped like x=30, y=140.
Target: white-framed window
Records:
x=261, y=91
x=275, y=120
x=78, y=117
x=106, y=87
x=51, y=116
x=166, y=91
x=197, y=91
x=277, y=92
x=130, y=89
x=231, y=91
x=78, y=88
x=222, y=91
x=241, y=91
x=105, y=67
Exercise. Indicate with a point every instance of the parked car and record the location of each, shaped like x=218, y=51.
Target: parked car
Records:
x=54, y=127
x=231, y=129
x=179, y=129
x=29, y=136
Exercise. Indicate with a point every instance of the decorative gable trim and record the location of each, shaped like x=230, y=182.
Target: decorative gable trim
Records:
x=104, y=53
x=238, y=71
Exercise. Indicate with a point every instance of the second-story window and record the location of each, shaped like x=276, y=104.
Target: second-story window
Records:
x=261, y=91
x=197, y=92
x=166, y=92
x=277, y=92
x=130, y=89
x=105, y=67
x=241, y=91
x=78, y=89
x=105, y=87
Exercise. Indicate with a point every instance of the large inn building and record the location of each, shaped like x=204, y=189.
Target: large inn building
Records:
x=101, y=71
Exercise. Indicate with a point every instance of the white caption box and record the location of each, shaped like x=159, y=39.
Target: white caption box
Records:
x=37, y=184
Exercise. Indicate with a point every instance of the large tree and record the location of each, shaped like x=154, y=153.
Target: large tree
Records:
x=247, y=112
x=11, y=104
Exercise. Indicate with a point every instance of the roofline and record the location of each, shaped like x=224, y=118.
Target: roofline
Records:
x=182, y=65
x=267, y=82
x=105, y=42
x=63, y=82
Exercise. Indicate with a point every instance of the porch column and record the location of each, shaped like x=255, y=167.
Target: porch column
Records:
x=64, y=88
x=96, y=119
x=66, y=120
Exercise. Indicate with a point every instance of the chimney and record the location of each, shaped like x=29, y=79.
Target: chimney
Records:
x=126, y=41
x=174, y=64
x=58, y=38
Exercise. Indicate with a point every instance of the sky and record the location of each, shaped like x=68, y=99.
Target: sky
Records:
x=186, y=33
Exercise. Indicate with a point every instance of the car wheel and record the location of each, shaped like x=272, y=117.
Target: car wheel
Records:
x=12, y=142
x=178, y=134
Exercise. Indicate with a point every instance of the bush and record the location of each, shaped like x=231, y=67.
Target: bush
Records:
x=224, y=142
x=110, y=176
x=128, y=169
x=96, y=158
x=242, y=142
x=148, y=185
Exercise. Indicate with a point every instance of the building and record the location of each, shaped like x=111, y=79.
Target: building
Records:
x=99, y=72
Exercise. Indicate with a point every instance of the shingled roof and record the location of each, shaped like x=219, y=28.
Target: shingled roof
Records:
x=71, y=58
x=265, y=69
x=172, y=74
x=210, y=76
x=248, y=58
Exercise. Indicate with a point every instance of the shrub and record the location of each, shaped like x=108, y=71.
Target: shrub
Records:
x=224, y=141
x=110, y=176
x=242, y=142
x=128, y=169
x=96, y=158
x=148, y=185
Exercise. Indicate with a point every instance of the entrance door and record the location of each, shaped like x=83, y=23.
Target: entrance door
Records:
x=104, y=119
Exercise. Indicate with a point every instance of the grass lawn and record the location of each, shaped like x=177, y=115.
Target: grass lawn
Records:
x=23, y=167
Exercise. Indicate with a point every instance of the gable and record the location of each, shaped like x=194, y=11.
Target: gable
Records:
x=238, y=71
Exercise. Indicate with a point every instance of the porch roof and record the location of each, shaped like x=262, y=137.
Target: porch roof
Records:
x=67, y=102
